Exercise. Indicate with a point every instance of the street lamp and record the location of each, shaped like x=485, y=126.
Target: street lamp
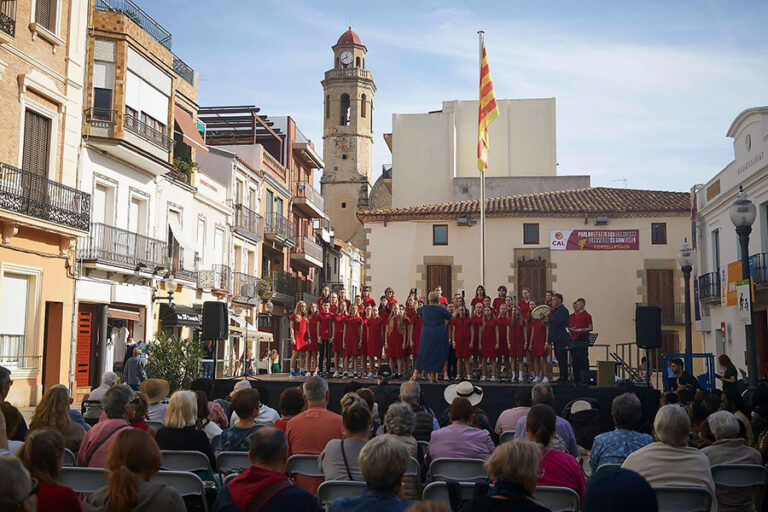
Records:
x=743, y=214
x=269, y=307
x=685, y=258
x=171, y=285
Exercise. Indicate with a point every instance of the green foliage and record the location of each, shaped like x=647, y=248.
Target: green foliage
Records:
x=265, y=287
x=173, y=359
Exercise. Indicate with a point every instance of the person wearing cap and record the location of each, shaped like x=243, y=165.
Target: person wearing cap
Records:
x=614, y=446
x=474, y=394
x=384, y=394
x=157, y=392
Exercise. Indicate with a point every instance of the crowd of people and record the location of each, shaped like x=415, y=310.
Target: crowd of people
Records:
x=374, y=440
x=494, y=339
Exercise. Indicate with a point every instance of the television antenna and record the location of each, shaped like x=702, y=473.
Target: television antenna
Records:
x=623, y=180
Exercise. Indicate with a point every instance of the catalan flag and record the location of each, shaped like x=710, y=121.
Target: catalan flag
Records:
x=487, y=111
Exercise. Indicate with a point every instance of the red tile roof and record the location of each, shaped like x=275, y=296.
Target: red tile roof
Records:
x=613, y=202
x=349, y=37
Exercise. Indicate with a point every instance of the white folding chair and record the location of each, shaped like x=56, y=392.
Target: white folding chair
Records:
x=84, y=480
x=413, y=469
x=683, y=499
x=607, y=465
x=216, y=443
x=157, y=425
x=424, y=446
x=331, y=490
x=506, y=436
x=185, y=460
x=229, y=478
x=438, y=491
x=185, y=483
x=557, y=499
x=303, y=464
x=741, y=476
x=232, y=462
x=446, y=468
x=69, y=458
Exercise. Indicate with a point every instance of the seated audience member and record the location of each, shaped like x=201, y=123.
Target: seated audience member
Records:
x=93, y=409
x=670, y=461
x=460, y=439
x=367, y=395
x=13, y=419
x=203, y=422
x=267, y=415
x=729, y=448
x=141, y=406
x=246, y=405
x=43, y=454
x=309, y=432
x=5, y=387
x=613, y=447
x=585, y=422
x=670, y=397
x=118, y=408
x=513, y=468
x=133, y=460
x=508, y=419
x=291, y=403
x=399, y=424
x=542, y=394
x=619, y=489
x=410, y=393
x=17, y=489
x=264, y=486
x=472, y=393
x=157, y=392
x=53, y=412
x=555, y=467
x=215, y=412
x=339, y=458
x=383, y=462
x=179, y=432
x=734, y=403
x=703, y=405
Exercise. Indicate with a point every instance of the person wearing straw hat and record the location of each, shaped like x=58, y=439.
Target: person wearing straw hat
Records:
x=157, y=391
x=474, y=394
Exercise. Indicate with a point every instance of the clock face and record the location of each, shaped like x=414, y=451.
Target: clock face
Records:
x=346, y=57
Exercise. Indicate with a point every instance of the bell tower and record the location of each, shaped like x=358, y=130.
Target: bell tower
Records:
x=348, y=90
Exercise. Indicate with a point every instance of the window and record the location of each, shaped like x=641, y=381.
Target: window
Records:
x=102, y=103
x=13, y=316
x=200, y=242
x=716, y=250
x=103, y=203
x=343, y=205
x=153, y=123
x=362, y=105
x=238, y=192
x=218, y=245
x=357, y=62
x=344, y=156
x=45, y=14
x=137, y=216
x=327, y=107
x=37, y=143
x=440, y=234
x=264, y=265
x=131, y=112
x=344, y=117
x=530, y=234
x=658, y=233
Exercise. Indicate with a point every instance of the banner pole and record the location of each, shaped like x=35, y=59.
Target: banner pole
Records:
x=481, y=38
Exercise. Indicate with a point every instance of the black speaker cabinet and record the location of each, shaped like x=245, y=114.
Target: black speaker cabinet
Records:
x=215, y=321
x=648, y=327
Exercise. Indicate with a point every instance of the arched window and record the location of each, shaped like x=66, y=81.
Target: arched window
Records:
x=362, y=106
x=337, y=62
x=357, y=62
x=344, y=110
x=327, y=107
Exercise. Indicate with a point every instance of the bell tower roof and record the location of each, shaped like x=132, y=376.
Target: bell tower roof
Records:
x=349, y=37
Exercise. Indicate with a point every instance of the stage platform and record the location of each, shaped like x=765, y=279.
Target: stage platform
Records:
x=496, y=396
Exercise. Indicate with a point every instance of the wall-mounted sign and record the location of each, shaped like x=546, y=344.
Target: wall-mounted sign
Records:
x=744, y=302
x=594, y=240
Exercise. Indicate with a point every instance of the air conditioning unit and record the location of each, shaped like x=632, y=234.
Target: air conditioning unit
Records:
x=248, y=290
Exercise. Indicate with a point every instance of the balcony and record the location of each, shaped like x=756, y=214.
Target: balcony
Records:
x=135, y=14
x=7, y=20
x=101, y=122
x=184, y=70
x=115, y=247
x=348, y=73
x=149, y=134
x=217, y=279
x=308, y=200
x=248, y=223
x=179, y=269
x=284, y=288
x=759, y=264
x=36, y=196
x=279, y=229
x=307, y=252
x=671, y=313
x=709, y=288
x=270, y=163
x=245, y=289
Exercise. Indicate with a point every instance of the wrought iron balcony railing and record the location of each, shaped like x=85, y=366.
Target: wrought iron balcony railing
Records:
x=123, y=248
x=280, y=227
x=709, y=287
x=178, y=268
x=248, y=223
x=305, y=190
x=284, y=288
x=34, y=195
x=8, y=17
x=147, y=132
x=184, y=70
x=142, y=19
x=101, y=121
x=217, y=278
x=306, y=246
x=672, y=313
x=245, y=288
x=759, y=263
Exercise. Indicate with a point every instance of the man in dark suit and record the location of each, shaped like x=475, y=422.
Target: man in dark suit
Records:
x=559, y=337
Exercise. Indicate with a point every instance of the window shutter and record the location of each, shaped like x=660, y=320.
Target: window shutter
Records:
x=37, y=136
x=44, y=13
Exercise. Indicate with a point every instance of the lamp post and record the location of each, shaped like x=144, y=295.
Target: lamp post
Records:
x=743, y=214
x=269, y=307
x=685, y=258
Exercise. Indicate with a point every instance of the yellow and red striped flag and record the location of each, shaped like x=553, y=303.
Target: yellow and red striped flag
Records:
x=487, y=111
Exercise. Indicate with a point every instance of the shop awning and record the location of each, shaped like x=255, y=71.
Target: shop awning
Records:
x=189, y=130
x=123, y=313
x=181, y=237
x=182, y=316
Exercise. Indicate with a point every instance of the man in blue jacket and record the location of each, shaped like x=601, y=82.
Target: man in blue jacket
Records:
x=559, y=337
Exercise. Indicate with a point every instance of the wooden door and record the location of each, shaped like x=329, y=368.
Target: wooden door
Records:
x=84, y=345
x=439, y=275
x=532, y=274
x=661, y=292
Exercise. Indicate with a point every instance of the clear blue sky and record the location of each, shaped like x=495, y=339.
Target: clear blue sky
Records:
x=645, y=90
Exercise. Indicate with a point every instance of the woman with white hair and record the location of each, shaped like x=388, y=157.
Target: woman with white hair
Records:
x=180, y=432
x=399, y=424
x=729, y=448
x=670, y=461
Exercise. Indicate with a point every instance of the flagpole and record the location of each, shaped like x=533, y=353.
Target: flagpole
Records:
x=481, y=37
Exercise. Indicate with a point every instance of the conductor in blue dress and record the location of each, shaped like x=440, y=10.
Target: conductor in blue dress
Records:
x=433, y=347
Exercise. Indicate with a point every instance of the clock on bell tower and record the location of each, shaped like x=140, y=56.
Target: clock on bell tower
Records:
x=347, y=137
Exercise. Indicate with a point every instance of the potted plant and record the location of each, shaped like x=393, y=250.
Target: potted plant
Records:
x=265, y=288
x=174, y=359
x=183, y=169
